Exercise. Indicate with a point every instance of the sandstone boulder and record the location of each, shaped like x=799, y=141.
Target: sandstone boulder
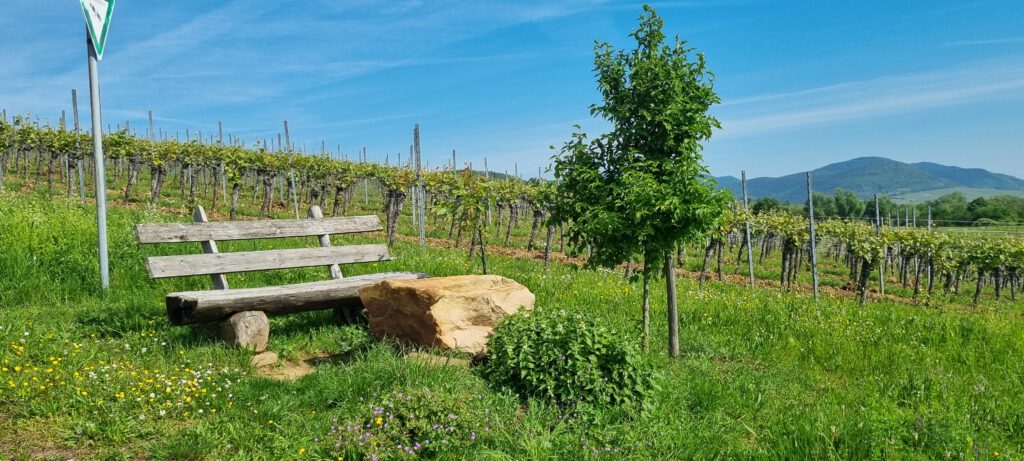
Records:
x=448, y=312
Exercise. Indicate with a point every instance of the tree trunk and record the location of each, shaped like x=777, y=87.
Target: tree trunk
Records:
x=547, y=246
x=862, y=286
x=997, y=278
x=267, y=207
x=785, y=265
x=721, y=249
x=673, y=315
x=645, y=332
x=217, y=171
x=513, y=216
x=49, y=171
x=182, y=171
x=193, y=178
x=480, y=240
x=72, y=171
x=917, y=278
x=133, y=177
x=156, y=182
x=451, y=212
x=339, y=192
x=394, y=201
x=708, y=252
x=931, y=275
x=538, y=216
x=236, y=190
x=979, y=286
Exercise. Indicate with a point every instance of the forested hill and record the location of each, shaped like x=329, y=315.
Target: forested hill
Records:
x=870, y=175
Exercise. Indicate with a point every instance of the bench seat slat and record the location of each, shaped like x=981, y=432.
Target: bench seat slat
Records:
x=245, y=230
x=247, y=261
x=192, y=307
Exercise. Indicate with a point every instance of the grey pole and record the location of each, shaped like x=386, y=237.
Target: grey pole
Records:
x=81, y=160
x=67, y=168
x=746, y=209
x=881, y=267
x=487, y=174
x=223, y=171
x=929, y=253
x=917, y=259
x=414, y=191
x=291, y=171
x=814, y=257
x=97, y=145
x=420, y=190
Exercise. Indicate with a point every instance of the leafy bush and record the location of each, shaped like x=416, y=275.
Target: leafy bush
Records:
x=567, y=358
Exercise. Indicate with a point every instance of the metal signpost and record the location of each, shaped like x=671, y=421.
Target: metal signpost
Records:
x=97, y=22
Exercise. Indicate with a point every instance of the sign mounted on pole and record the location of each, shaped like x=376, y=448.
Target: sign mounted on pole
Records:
x=97, y=19
x=97, y=23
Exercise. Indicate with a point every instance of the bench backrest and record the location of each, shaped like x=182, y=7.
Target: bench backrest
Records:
x=216, y=264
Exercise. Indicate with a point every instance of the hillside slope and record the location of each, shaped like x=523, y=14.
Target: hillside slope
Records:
x=875, y=175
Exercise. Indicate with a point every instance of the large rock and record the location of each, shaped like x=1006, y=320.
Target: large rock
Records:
x=447, y=312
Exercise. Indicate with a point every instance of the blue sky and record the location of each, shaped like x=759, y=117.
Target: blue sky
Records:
x=803, y=83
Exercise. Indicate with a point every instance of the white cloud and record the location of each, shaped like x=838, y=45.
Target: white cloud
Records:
x=991, y=41
x=879, y=97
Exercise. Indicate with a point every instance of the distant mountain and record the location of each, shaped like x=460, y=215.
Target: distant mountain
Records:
x=874, y=175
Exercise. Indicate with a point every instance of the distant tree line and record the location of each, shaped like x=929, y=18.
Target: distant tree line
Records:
x=948, y=210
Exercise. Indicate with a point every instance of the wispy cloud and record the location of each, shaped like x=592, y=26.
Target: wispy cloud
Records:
x=878, y=97
x=991, y=41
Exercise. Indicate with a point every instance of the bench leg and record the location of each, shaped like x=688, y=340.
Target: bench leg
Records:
x=248, y=330
x=350, y=315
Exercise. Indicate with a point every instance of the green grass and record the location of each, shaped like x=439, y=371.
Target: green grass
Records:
x=763, y=374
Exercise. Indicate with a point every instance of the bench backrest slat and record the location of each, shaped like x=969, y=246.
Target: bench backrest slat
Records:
x=247, y=261
x=245, y=230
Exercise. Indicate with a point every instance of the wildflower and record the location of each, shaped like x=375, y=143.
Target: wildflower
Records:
x=302, y=451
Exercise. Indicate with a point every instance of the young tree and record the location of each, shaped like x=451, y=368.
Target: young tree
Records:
x=642, y=188
x=847, y=204
x=768, y=204
x=824, y=206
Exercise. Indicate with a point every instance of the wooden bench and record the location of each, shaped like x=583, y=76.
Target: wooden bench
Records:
x=241, y=312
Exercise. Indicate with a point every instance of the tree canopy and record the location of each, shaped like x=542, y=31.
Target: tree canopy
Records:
x=641, y=188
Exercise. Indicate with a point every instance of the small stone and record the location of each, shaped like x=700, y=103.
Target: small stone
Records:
x=263, y=359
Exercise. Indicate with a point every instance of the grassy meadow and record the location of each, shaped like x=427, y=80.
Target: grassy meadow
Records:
x=763, y=374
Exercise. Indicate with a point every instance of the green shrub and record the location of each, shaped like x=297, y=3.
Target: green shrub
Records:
x=567, y=358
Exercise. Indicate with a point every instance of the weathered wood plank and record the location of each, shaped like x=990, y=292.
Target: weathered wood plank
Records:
x=244, y=230
x=207, y=306
x=220, y=281
x=247, y=261
x=325, y=240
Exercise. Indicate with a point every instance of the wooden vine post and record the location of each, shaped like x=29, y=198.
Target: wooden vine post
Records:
x=78, y=149
x=746, y=225
x=420, y=192
x=814, y=257
x=291, y=171
x=881, y=266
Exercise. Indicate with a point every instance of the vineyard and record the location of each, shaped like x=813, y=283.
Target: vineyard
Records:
x=471, y=209
x=624, y=303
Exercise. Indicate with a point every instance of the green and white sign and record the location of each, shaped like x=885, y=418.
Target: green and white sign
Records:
x=97, y=19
